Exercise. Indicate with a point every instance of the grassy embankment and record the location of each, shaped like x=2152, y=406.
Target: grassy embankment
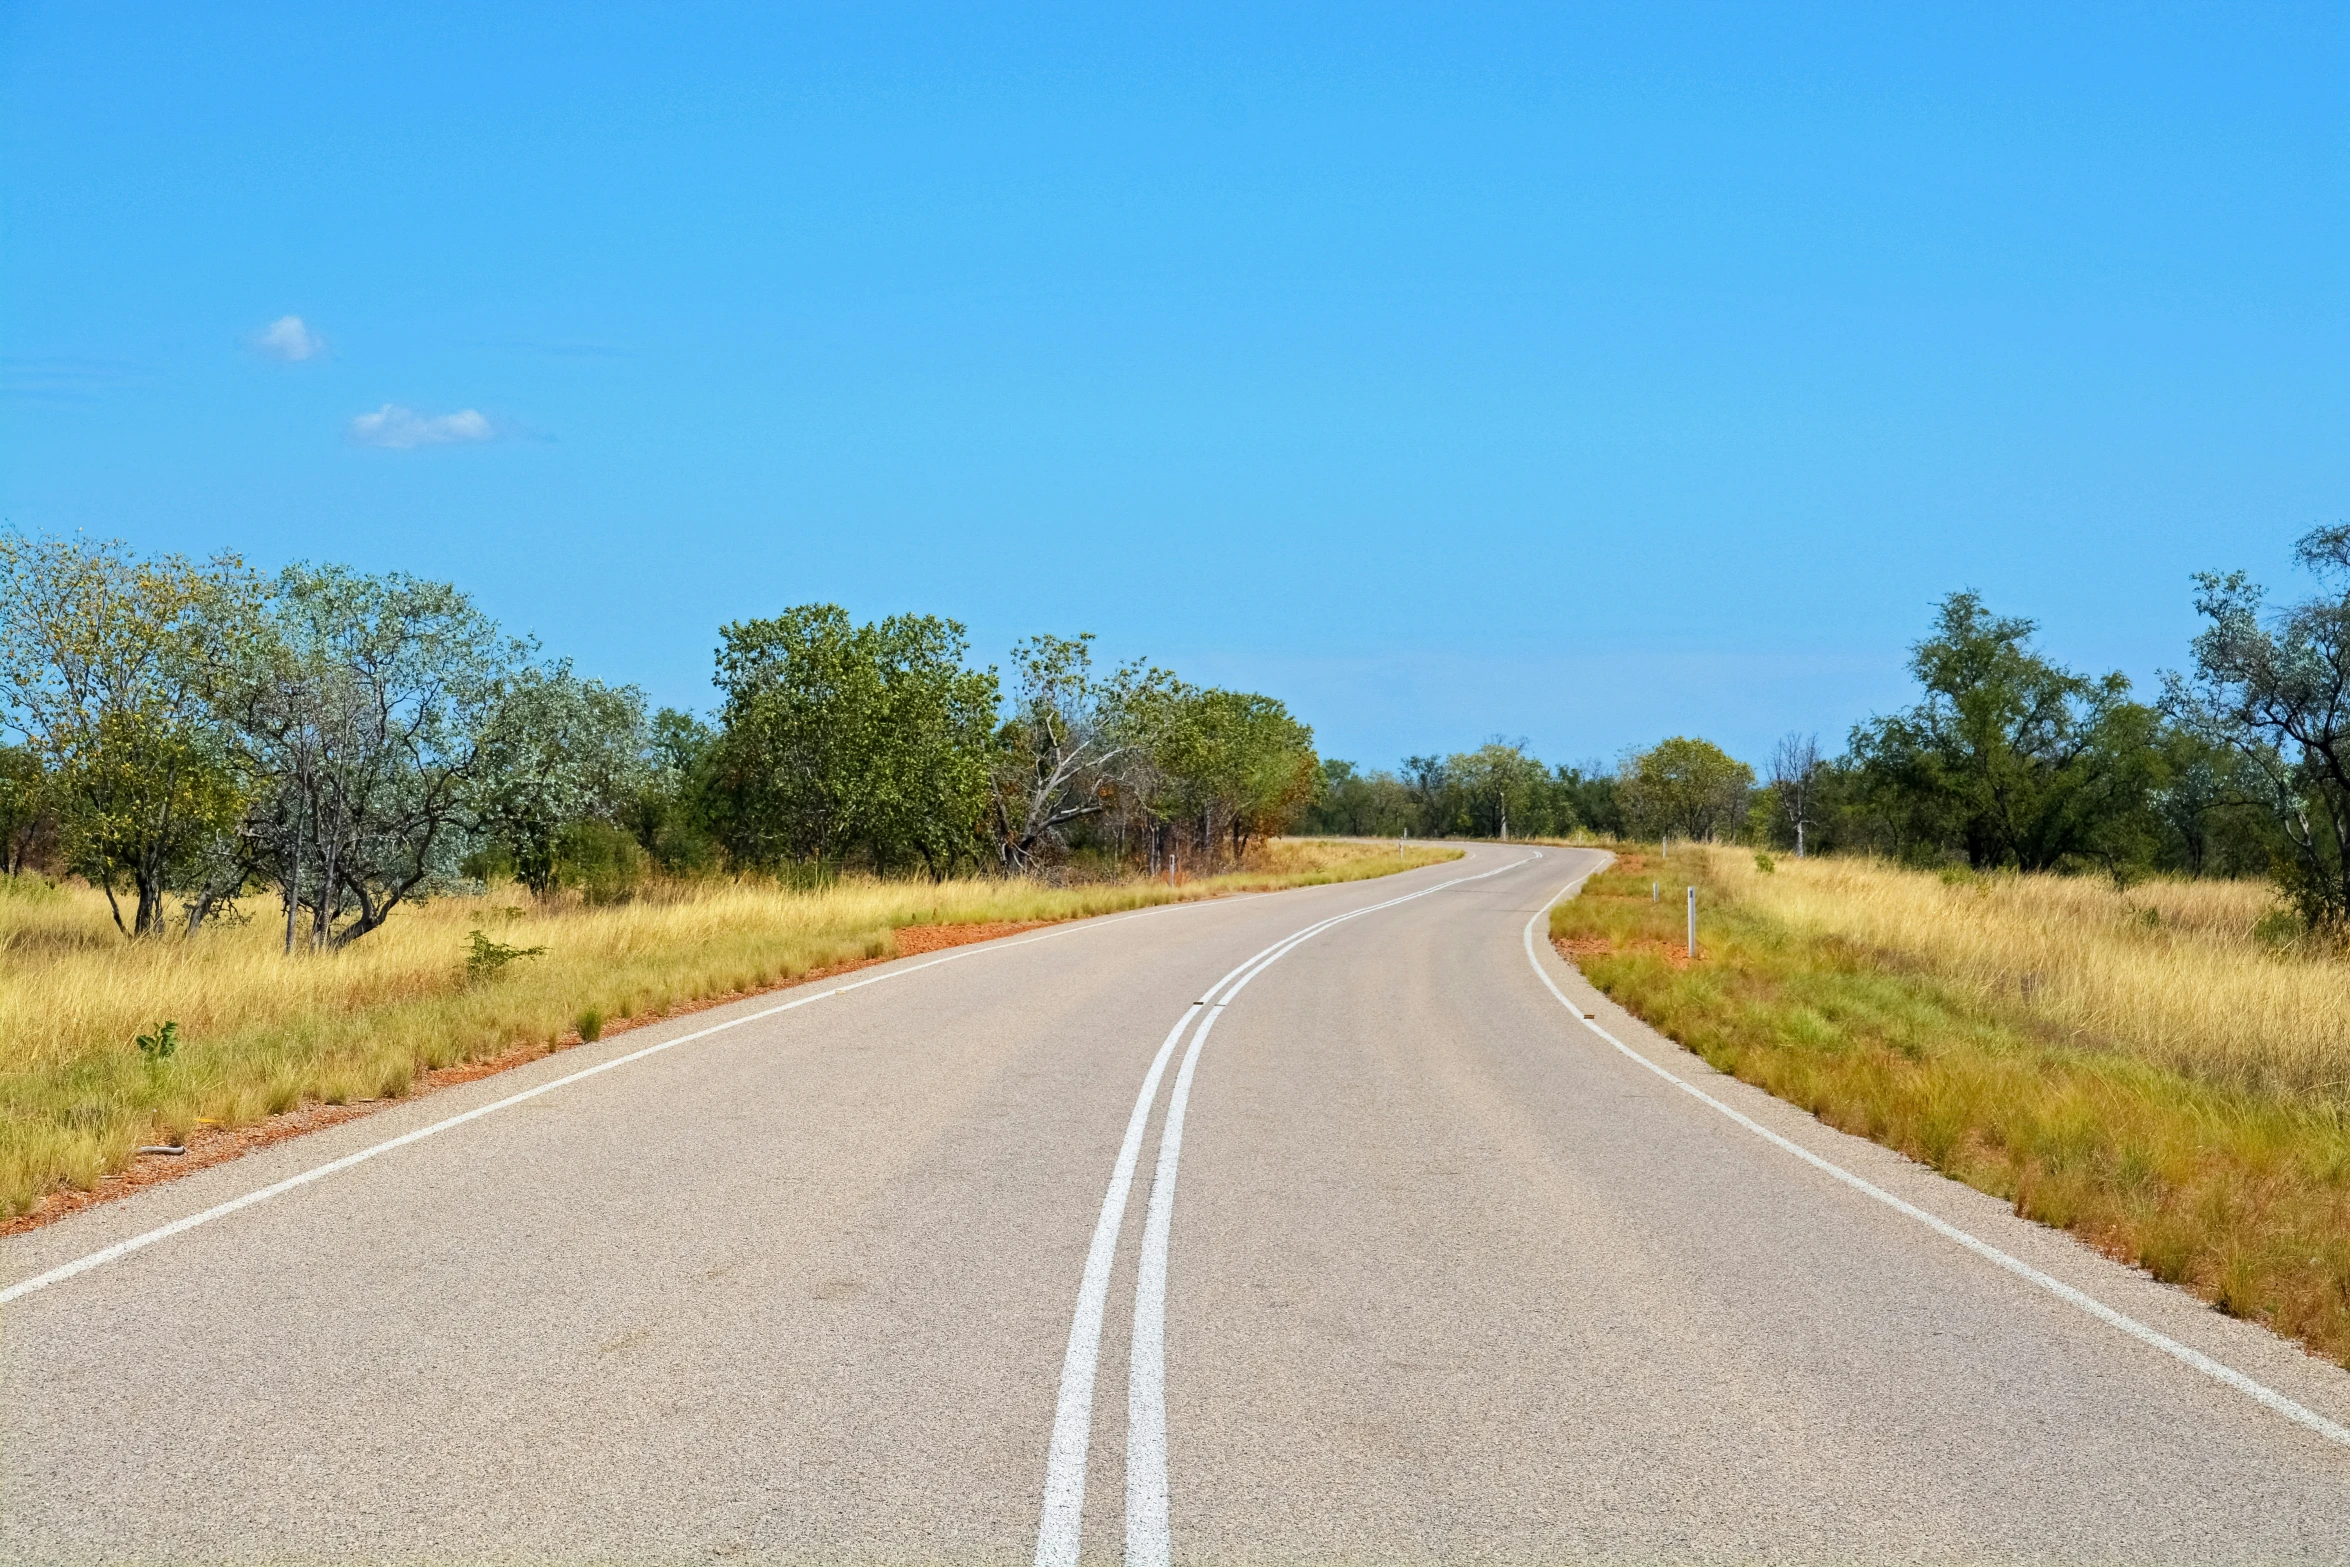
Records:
x=2141, y=1067
x=260, y=1034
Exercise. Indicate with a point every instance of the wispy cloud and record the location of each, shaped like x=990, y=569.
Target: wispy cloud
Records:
x=401, y=428
x=289, y=339
x=64, y=380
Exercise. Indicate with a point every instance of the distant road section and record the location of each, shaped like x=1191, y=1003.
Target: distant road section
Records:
x=1310, y=1226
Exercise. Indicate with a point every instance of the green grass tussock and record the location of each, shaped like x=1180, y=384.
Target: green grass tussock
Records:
x=2219, y=1166
x=451, y=981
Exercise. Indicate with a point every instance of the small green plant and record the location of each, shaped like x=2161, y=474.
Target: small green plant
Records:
x=1765, y=864
x=2278, y=928
x=487, y=957
x=591, y=1025
x=160, y=1045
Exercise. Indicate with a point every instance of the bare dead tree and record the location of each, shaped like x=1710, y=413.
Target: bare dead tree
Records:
x=1073, y=739
x=1794, y=778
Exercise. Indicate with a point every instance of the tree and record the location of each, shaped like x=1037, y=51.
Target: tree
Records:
x=671, y=813
x=28, y=828
x=838, y=738
x=2278, y=695
x=2214, y=807
x=1227, y=767
x=1352, y=803
x=110, y=667
x=372, y=723
x=564, y=752
x=1685, y=787
x=1498, y=788
x=1589, y=796
x=2009, y=758
x=1795, y=771
x=1058, y=756
x=1435, y=795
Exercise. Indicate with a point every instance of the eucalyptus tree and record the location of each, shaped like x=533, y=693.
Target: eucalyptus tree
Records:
x=373, y=720
x=111, y=667
x=2277, y=691
x=1499, y=788
x=1073, y=742
x=1354, y=803
x=563, y=751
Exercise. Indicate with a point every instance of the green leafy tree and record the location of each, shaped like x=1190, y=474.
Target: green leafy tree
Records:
x=373, y=724
x=565, y=754
x=1349, y=802
x=1499, y=789
x=671, y=814
x=2215, y=808
x=28, y=827
x=111, y=667
x=2277, y=694
x=1686, y=787
x=2009, y=758
x=1590, y=796
x=838, y=739
x=1233, y=766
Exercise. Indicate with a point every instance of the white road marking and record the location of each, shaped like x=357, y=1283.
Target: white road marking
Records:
x=141, y=1242
x=1064, y=1486
x=1146, y=1365
x=1147, y=1538
x=2257, y=1391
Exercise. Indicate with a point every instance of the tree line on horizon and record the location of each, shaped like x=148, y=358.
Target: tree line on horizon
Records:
x=188, y=733
x=2006, y=761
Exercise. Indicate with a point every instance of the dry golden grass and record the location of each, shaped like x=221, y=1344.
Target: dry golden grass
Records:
x=2170, y=971
x=261, y=1033
x=2168, y=1088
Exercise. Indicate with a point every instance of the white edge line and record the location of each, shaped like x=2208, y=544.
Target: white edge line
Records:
x=2259, y=1392
x=140, y=1242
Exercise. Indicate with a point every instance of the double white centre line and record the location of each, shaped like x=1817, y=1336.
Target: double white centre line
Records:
x=1147, y=1543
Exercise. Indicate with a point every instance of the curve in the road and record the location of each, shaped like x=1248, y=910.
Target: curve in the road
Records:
x=1148, y=1541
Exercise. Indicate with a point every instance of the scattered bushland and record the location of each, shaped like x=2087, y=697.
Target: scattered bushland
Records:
x=191, y=733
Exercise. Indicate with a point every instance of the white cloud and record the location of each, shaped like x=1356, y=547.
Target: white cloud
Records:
x=401, y=428
x=287, y=338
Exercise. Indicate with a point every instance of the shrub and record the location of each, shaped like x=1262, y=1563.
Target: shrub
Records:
x=487, y=957
x=605, y=864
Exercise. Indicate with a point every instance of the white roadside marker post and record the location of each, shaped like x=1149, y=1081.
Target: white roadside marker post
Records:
x=1693, y=922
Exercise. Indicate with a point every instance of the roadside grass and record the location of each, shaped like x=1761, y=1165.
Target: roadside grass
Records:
x=260, y=1033
x=2172, y=1089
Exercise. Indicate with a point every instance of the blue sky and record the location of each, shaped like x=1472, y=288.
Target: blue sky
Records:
x=1580, y=374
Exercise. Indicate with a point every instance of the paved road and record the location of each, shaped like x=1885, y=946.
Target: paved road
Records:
x=1441, y=1275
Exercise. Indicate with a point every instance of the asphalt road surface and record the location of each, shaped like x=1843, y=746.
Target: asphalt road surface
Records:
x=1419, y=1266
